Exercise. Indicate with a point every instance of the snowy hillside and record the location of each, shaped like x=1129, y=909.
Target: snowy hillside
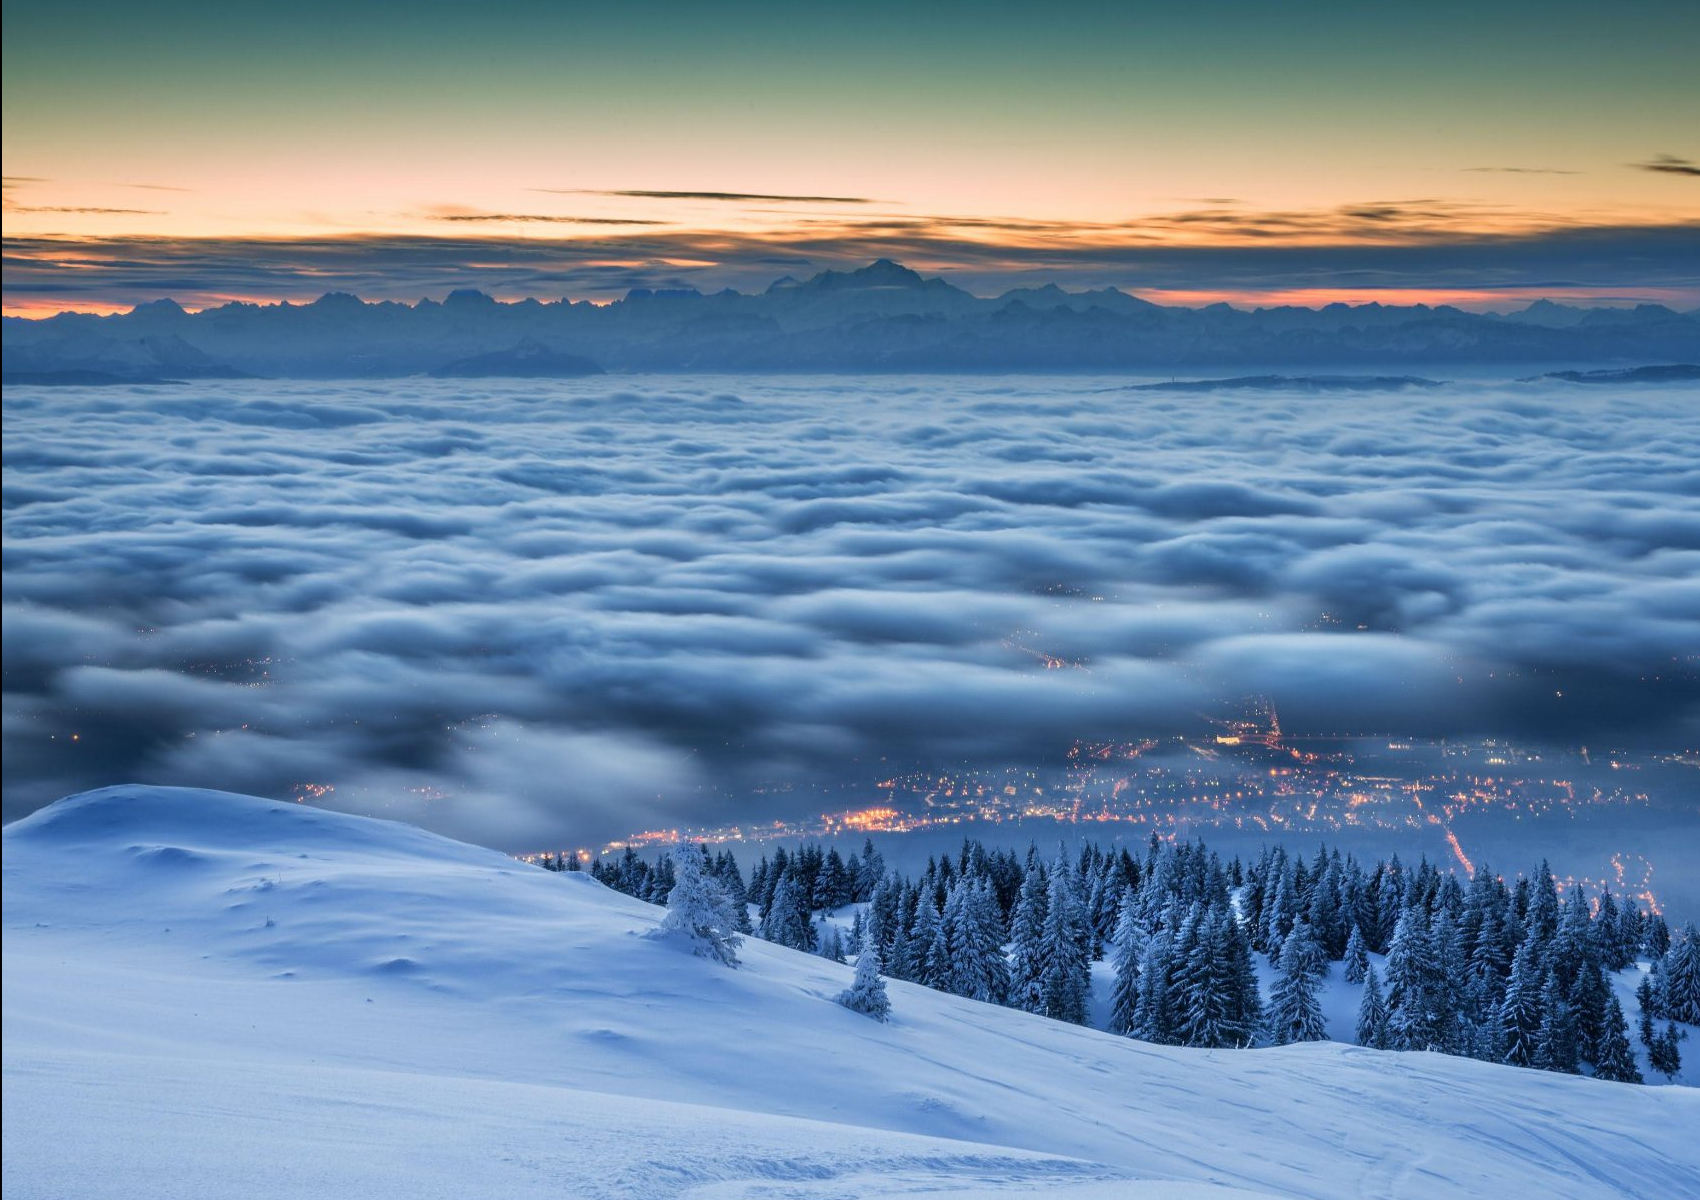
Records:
x=211, y=995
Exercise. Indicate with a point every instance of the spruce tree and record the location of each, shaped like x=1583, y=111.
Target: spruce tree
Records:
x=1247, y=1019
x=1026, y=938
x=1372, y=1013
x=978, y=968
x=1128, y=944
x=787, y=921
x=1664, y=1054
x=1680, y=998
x=1613, y=1058
x=1295, y=1014
x=830, y=942
x=1555, y=1044
x=1153, y=1020
x=1520, y=1011
x=1644, y=1005
x=1214, y=1012
x=1357, y=957
x=1413, y=1022
x=1278, y=918
x=698, y=912
x=929, y=945
x=866, y=993
x=1590, y=1000
x=1066, y=974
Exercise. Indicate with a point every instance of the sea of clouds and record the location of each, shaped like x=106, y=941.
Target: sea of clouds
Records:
x=515, y=609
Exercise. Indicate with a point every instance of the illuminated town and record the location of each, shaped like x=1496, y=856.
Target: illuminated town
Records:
x=1243, y=776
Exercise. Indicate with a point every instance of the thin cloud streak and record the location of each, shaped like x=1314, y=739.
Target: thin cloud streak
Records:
x=537, y=218
x=1519, y=171
x=81, y=210
x=718, y=197
x=1669, y=164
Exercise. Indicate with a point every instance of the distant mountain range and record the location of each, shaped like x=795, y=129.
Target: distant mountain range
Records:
x=883, y=317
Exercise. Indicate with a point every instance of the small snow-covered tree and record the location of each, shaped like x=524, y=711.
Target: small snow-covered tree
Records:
x=1357, y=957
x=831, y=943
x=698, y=911
x=1664, y=1054
x=866, y=993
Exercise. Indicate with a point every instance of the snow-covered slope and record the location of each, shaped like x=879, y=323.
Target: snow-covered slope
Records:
x=211, y=995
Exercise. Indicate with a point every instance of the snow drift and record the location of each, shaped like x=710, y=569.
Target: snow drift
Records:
x=208, y=994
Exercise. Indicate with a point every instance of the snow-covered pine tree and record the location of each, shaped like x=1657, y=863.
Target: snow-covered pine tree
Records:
x=1644, y=1005
x=1372, y=1013
x=1520, y=1010
x=1449, y=1033
x=884, y=901
x=929, y=947
x=1153, y=1019
x=832, y=885
x=1664, y=1054
x=830, y=941
x=1357, y=956
x=866, y=993
x=978, y=968
x=1214, y=1006
x=1608, y=934
x=1656, y=940
x=901, y=950
x=1026, y=939
x=1066, y=973
x=1128, y=943
x=1241, y=1029
x=1413, y=1020
x=1295, y=1013
x=1590, y=1000
x=1613, y=1059
x=1555, y=1044
x=698, y=912
x=1278, y=918
x=1542, y=920
x=1680, y=987
x=787, y=921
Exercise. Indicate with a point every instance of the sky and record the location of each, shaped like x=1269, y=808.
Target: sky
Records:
x=1443, y=151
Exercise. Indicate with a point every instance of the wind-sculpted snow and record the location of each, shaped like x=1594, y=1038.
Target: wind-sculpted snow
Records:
x=534, y=606
x=211, y=995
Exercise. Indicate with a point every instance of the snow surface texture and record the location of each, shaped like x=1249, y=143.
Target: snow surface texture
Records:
x=212, y=995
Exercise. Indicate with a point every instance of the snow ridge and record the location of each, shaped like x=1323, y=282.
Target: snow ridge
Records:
x=208, y=994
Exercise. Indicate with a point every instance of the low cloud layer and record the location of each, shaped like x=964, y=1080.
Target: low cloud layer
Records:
x=519, y=611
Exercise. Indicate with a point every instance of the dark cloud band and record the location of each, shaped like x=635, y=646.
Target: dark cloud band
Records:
x=1271, y=253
